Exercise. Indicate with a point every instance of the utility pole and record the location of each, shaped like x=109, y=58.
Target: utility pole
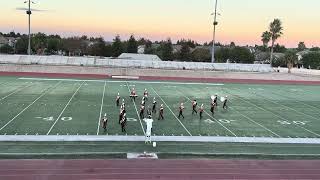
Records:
x=215, y=23
x=29, y=24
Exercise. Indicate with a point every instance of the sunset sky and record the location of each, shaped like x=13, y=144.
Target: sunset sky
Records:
x=241, y=21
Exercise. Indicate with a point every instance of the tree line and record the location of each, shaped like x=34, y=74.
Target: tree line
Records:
x=184, y=50
x=309, y=59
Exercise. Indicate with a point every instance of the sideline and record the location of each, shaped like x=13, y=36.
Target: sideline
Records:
x=54, y=138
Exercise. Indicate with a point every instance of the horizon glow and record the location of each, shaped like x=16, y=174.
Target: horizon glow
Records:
x=241, y=21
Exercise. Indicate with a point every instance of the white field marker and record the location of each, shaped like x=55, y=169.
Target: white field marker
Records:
x=250, y=119
x=172, y=112
x=102, y=102
x=242, y=99
x=64, y=108
x=275, y=102
x=14, y=92
x=134, y=103
x=210, y=115
x=44, y=93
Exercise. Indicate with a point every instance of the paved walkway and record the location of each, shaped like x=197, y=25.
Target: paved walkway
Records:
x=27, y=138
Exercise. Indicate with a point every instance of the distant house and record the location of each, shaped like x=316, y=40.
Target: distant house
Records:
x=155, y=46
x=132, y=56
x=251, y=49
x=3, y=41
x=301, y=54
x=12, y=41
x=176, y=48
x=264, y=57
x=207, y=48
x=141, y=49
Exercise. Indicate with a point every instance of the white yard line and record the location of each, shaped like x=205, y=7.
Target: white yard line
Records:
x=44, y=93
x=4, y=83
x=210, y=116
x=64, y=109
x=14, y=92
x=274, y=102
x=250, y=119
x=242, y=99
x=136, y=82
x=102, y=102
x=134, y=103
x=299, y=101
x=8, y=82
x=172, y=112
x=256, y=123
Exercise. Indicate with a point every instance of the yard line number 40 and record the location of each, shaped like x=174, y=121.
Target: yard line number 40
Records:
x=52, y=118
x=302, y=123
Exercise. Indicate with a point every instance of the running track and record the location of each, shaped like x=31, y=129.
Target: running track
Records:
x=157, y=169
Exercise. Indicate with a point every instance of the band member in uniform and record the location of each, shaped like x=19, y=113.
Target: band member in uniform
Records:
x=212, y=107
x=161, y=113
x=215, y=100
x=154, y=105
x=133, y=94
x=225, y=103
x=104, y=122
x=145, y=94
x=201, y=110
x=121, y=115
x=181, y=108
x=123, y=105
x=149, y=112
x=118, y=99
x=123, y=123
x=142, y=111
x=143, y=102
x=194, y=107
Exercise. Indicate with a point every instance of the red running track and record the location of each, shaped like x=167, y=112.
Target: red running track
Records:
x=157, y=169
x=162, y=78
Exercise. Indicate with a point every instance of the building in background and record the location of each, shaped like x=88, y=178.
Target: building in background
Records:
x=146, y=57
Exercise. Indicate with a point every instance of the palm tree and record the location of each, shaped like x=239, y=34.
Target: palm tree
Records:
x=291, y=59
x=265, y=38
x=275, y=29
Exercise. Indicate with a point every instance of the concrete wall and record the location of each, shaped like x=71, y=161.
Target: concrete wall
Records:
x=181, y=75
x=300, y=71
x=121, y=63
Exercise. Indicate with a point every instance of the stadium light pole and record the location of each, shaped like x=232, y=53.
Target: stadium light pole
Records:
x=215, y=23
x=29, y=24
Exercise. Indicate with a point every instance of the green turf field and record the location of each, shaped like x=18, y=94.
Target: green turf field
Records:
x=67, y=107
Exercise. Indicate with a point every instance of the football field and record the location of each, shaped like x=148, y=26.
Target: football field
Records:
x=42, y=108
x=34, y=106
